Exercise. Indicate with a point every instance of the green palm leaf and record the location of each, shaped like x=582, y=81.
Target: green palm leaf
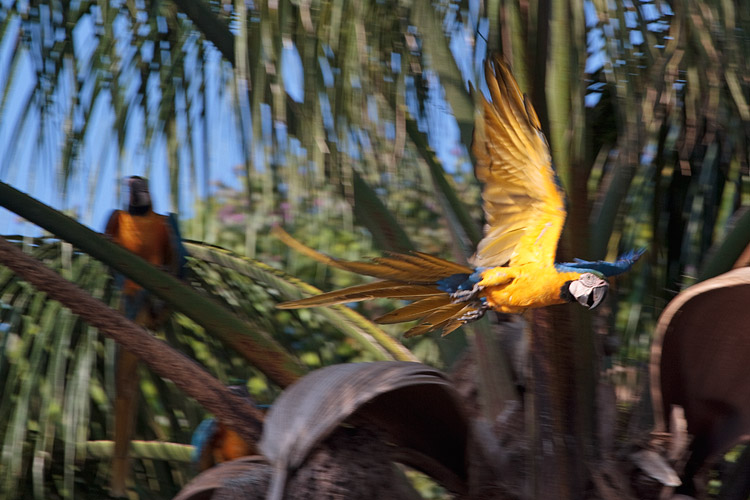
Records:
x=369, y=336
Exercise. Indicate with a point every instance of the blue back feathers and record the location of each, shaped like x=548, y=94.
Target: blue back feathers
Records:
x=602, y=267
x=180, y=250
x=460, y=281
x=465, y=281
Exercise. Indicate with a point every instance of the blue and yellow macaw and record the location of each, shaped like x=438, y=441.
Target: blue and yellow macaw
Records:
x=214, y=443
x=154, y=238
x=514, y=267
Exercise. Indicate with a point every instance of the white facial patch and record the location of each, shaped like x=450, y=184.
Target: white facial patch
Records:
x=589, y=290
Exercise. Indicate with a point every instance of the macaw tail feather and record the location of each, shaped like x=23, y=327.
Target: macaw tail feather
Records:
x=358, y=293
x=125, y=409
x=416, y=310
x=415, y=276
x=446, y=318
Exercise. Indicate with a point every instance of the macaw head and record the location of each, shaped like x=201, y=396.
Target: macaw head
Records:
x=588, y=290
x=140, y=198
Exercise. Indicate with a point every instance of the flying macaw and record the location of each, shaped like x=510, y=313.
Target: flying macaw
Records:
x=155, y=238
x=514, y=266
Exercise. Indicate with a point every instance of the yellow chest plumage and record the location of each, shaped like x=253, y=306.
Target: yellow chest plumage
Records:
x=515, y=289
x=147, y=236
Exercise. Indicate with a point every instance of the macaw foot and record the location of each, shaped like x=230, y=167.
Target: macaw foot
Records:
x=473, y=307
x=467, y=295
x=474, y=314
x=465, y=289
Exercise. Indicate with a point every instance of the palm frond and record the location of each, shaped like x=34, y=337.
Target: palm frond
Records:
x=375, y=340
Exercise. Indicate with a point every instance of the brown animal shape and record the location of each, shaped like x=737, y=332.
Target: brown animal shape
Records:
x=700, y=360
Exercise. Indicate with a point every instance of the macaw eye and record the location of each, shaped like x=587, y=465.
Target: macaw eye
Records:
x=590, y=280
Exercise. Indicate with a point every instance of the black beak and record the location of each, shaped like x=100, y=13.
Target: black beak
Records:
x=596, y=296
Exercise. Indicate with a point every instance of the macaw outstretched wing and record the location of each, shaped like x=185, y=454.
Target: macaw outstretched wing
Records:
x=622, y=264
x=523, y=203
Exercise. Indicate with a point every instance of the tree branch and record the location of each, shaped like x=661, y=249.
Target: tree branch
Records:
x=207, y=23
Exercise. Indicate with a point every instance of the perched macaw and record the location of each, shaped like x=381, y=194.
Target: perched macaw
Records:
x=154, y=238
x=514, y=267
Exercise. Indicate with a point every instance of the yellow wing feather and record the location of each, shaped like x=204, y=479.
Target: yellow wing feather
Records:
x=523, y=205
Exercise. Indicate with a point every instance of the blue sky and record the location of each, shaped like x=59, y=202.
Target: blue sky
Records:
x=100, y=167
x=34, y=143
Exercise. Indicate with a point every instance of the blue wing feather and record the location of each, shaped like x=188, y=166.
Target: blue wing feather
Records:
x=180, y=250
x=460, y=281
x=201, y=437
x=602, y=267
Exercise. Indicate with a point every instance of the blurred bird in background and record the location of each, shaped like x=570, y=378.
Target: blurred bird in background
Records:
x=155, y=238
x=514, y=267
x=214, y=443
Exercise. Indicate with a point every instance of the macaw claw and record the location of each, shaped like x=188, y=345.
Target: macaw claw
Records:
x=467, y=295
